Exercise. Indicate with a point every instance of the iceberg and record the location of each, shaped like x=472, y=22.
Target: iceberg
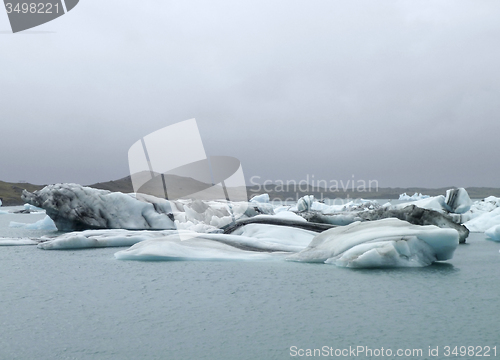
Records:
x=75, y=207
x=414, y=197
x=458, y=200
x=482, y=215
x=493, y=233
x=381, y=243
x=100, y=238
x=410, y=213
x=45, y=224
x=198, y=247
x=305, y=203
x=263, y=198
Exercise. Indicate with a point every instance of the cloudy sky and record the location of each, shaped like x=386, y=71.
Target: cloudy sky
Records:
x=403, y=92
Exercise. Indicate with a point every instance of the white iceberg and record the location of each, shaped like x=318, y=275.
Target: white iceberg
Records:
x=483, y=214
x=382, y=243
x=436, y=203
x=414, y=197
x=493, y=233
x=351, y=206
x=199, y=247
x=305, y=203
x=263, y=198
x=45, y=224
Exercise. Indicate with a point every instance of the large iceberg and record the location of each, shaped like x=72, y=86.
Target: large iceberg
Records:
x=411, y=213
x=382, y=243
x=75, y=207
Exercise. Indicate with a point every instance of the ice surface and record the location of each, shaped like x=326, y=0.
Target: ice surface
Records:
x=100, y=238
x=436, y=203
x=16, y=242
x=45, y=224
x=172, y=248
x=263, y=198
x=305, y=203
x=414, y=197
x=293, y=238
x=31, y=208
x=493, y=232
x=482, y=215
x=351, y=206
x=458, y=200
x=382, y=243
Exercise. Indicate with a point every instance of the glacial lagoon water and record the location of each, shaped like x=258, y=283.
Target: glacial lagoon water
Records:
x=85, y=304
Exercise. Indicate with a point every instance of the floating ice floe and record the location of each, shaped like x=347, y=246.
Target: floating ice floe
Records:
x=198, y=247
x=17, y=241
x=382, y=243
x=100, y=238
x=45, y=224
x=414, y=197
x=493, y=233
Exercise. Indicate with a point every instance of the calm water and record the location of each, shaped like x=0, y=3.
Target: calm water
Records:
x=86, y=305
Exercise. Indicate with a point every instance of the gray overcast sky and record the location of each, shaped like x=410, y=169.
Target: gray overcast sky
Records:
x=403, y=92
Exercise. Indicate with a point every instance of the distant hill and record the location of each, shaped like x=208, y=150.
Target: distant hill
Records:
x=10, y=193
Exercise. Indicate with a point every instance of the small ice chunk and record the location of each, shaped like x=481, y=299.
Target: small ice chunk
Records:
x=458, y=200
x=305, y=203
x=493, y=233
x=45, y=224
x=263, y=198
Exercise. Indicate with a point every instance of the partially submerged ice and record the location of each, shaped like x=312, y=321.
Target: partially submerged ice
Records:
x=382, y=243
x=75, y=207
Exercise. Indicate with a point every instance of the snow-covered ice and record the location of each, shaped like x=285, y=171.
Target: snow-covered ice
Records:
x=382, y=243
